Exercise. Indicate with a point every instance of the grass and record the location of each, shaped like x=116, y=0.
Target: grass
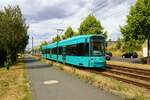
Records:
x=14, y=84
x=126, y=64
x=124, y=90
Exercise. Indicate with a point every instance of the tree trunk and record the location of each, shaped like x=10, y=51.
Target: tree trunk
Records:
x=148, y=60
x=148, y=50
x=2, y=57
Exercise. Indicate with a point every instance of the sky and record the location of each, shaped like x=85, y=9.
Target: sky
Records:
x=45, y=16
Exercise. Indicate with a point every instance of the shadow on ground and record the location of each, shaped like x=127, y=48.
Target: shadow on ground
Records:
x=30, y=60
x=35, y=64
x=40, y=66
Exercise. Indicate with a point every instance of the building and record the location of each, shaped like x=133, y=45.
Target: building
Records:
x=146, y=45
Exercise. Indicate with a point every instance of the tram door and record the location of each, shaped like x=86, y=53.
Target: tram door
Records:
x=64, y=54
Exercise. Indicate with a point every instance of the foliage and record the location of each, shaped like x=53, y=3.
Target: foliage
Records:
x=68, y=33
x=13, y=33
x=56, y=39
x=119, y=43
x=131, y=45
x=91, y=26
x=137, y=29
x=42, y=44
x=105, y=34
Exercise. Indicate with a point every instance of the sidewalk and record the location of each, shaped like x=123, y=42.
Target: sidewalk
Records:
x=49, y=83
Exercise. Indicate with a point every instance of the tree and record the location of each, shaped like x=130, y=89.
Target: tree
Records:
x=56, y=39
x=13, y=33
x=91, y=26
x=119, y=43
x=2, y=56
x=131, y=45
x=137, y=29
x=68, y=33
x=42, y=44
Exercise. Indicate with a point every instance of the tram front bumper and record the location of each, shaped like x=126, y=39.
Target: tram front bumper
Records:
x=98, y=62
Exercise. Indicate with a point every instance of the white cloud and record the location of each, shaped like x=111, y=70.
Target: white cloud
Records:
x=50, y=26
x=113, y=16
x=45, y=16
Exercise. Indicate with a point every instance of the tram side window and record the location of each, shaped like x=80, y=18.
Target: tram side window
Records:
x=72, y=50
x=64, y=51
x=83, y=49
x=60, y=50
x=48, y=51
x=54, y=51
x=44, y=51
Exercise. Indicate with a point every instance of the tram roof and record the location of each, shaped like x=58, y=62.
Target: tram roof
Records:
x=68, y=41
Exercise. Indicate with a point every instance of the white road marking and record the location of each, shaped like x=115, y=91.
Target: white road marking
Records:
x=49, y=82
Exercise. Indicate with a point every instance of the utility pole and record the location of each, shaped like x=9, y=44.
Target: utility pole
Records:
x=58, y=30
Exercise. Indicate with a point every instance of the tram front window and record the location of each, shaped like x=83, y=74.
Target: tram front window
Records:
x=98, y=47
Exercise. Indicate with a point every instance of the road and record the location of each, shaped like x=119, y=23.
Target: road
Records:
x=134, y=60
x=49, y=83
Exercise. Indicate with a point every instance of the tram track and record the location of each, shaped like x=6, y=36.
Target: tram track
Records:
x=138, y=77
x=129, y=74
x=129, y=69
x=128, y=80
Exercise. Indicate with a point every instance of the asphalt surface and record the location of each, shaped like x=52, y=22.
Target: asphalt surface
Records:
x=68, y=87
x=133, y=60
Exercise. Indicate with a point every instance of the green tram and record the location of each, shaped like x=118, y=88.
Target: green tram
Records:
x=83, y=51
